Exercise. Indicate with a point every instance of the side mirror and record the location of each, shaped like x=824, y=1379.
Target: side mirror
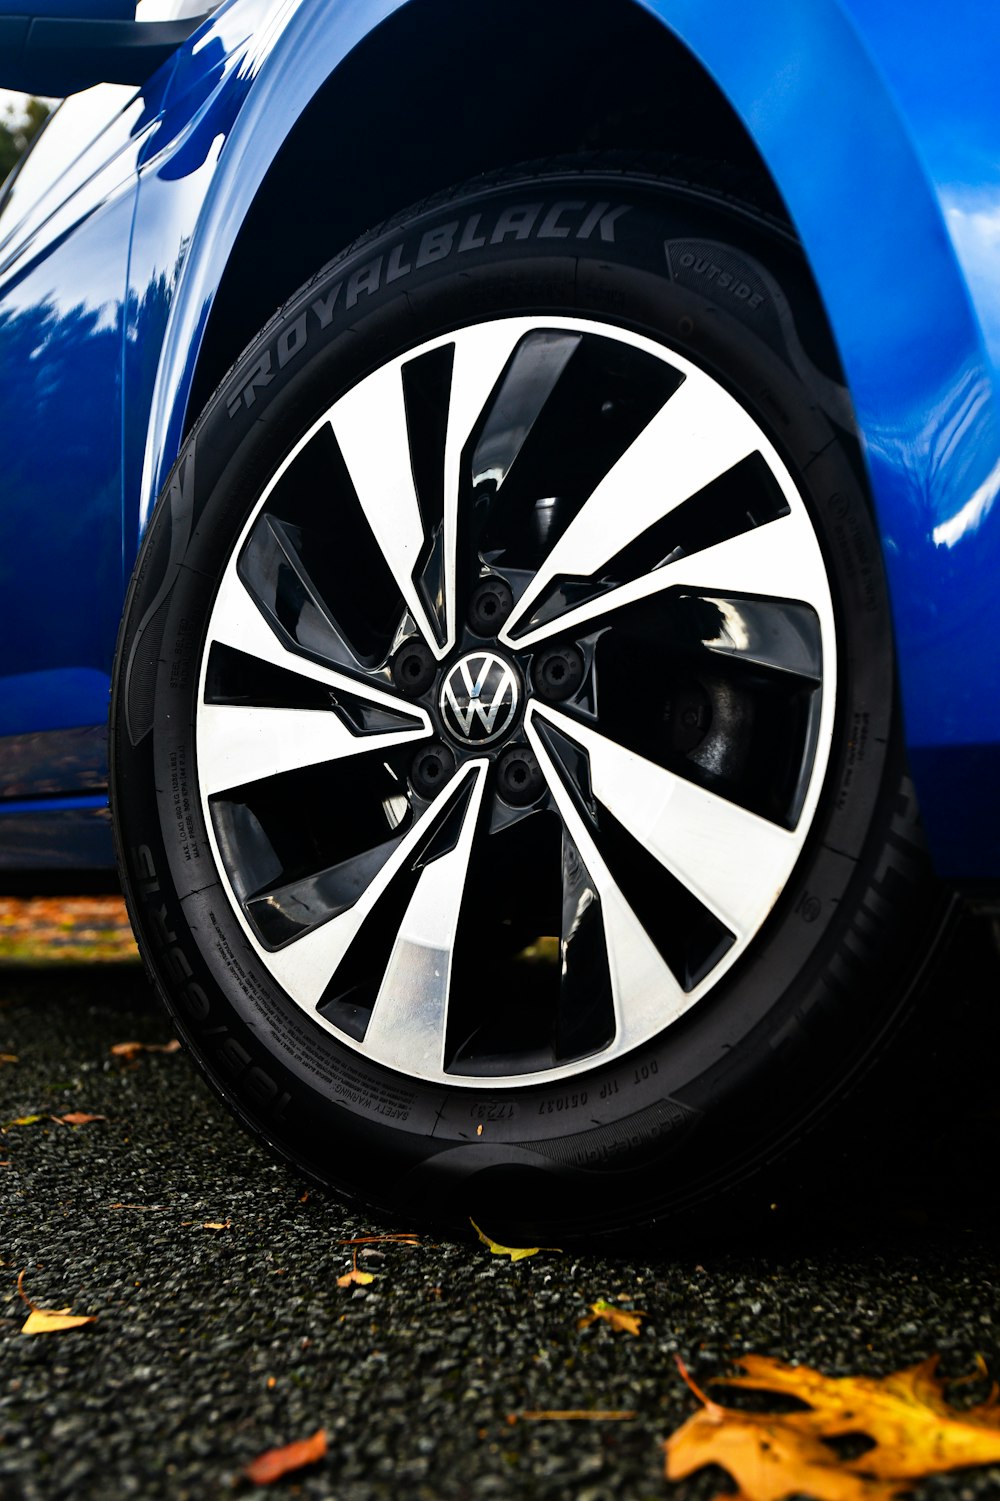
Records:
x=58, y=47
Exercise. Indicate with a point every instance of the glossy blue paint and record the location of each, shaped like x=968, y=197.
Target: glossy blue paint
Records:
x=63, y=834
x=868, y=185
x=881, y=130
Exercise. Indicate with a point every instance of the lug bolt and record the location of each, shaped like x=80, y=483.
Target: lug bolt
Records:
x=557, y=673
x=519, y=777
x=413, y=668
x=432, y=766
x=490, y=605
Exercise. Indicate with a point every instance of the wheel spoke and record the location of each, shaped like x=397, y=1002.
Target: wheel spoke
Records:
x=371, y=428
x=306, y=966
x=732, y=860
x=238, y=743
x=480, y=360
x=699, y=434
x=645, y=992
x=778, y=561
x=238, y=622
x=409, y=1023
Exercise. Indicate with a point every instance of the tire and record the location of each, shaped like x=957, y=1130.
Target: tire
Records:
x=506, y=769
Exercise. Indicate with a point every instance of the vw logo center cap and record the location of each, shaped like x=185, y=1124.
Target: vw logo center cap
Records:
x=479, y=698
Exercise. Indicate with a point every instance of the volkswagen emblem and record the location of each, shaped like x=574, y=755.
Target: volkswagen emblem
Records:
x=479, y=698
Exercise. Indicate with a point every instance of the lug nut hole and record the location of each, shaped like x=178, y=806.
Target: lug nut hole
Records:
x=491, y=603
x=558, y=673
x=413, y=668
x=519, y=777
x=432, y=766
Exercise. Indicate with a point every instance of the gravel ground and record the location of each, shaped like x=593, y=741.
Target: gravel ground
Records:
x=214, y=1344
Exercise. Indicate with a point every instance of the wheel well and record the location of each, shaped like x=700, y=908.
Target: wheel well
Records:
x=498, y=83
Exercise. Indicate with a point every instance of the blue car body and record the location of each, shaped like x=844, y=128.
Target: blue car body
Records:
x=139, y=253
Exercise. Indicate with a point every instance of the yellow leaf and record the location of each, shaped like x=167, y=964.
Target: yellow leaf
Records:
x=516, y=1253
x=616, y=1317
x=40, y=1321
x=8, y=1057
x=25, y=1120
x=914, y=1432
x=362, y=1278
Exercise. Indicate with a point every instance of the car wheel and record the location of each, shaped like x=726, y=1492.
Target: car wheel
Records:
x=506, y=769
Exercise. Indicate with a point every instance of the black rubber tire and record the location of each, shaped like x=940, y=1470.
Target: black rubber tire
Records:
x=807, y=1007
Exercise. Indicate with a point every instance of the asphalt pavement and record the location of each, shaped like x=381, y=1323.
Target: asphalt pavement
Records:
x=221, y=1330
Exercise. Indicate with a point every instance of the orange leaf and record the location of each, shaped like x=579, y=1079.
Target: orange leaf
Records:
x=130, y=1050
x=616, y=1317
x=274, y=1463
x=8, y=1057
x=77, y=1118
x=914, y=1431
x=364, y=1240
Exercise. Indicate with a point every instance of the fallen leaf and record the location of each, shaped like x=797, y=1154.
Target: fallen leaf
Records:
x=49, y=1320
x=573, y=1415
x=361, y=1278
x=77, y=1118
x=616, y=1317
x=516, y=1253
x=772, y=1457
x=130, y=1050
x=42, y=1321
x=916, y=1431
x=8, y=1058
x=24, y=1120
x=217, y=1225
x=366, y=1240
x=274, y=1463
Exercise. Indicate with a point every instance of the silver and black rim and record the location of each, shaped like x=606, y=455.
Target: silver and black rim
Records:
x=516, y=702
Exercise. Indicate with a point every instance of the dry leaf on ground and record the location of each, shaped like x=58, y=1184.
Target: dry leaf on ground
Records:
x=274, y=1463
x=618, y=1318
x=24, y=1120
x=771, y=1457
x=8, y=1058
x=366, y=1240
x=76, y=1118
x=131, y=1050
x=54, y=1321
x=49, y=1320
x=516, y=1253
x=354, y=1276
